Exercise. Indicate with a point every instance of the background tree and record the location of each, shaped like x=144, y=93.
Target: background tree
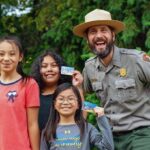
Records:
x=49, y=25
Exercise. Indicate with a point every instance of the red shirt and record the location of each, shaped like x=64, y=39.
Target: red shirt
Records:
x=14, y=99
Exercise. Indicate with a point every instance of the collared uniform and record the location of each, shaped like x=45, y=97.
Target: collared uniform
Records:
x=123, y=87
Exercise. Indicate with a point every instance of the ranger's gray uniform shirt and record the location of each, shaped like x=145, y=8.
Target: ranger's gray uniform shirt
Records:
x=123, y=87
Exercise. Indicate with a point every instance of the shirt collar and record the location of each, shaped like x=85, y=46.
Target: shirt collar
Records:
x=115, y=60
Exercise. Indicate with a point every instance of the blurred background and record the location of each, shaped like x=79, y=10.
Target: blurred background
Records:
x=47, y=24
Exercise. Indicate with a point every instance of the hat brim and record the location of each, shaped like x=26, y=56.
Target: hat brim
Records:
x=80, y=29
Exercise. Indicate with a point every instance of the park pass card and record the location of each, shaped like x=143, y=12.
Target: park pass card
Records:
x=65, y=70
x=88, y=106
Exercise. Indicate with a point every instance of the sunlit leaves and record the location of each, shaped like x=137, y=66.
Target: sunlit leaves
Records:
x=131, y=30
x=147, y=42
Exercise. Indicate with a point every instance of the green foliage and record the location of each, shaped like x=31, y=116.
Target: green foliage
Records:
x=146, y=18
x=9, y=2
x=132, y=27
x=147, y=42
x=93, y=99
x=131, y=2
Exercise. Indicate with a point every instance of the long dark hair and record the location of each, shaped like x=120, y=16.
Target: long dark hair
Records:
x=54, y=118
x=36, y=66
x=15, y=40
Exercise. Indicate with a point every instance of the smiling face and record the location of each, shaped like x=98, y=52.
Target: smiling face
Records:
x=66, y=103
x=9, y=57
x=101, y=39
x=49, y=70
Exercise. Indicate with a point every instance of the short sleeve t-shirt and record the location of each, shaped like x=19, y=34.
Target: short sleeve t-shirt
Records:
x=15, y=98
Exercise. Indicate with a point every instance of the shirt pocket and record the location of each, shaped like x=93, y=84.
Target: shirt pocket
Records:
x=125, y=89
x=97, y=86
x=99, y=89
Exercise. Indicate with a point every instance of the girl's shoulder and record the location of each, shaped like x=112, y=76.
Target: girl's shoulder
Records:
x=89, y=126
x=30, y=80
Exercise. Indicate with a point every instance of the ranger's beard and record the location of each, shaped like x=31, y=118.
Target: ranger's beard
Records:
x=105, y=52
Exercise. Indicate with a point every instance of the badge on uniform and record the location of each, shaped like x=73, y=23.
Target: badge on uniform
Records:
x=146, y=57
x=123, y=72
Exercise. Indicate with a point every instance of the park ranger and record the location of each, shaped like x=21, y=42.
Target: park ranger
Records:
x=121, y=79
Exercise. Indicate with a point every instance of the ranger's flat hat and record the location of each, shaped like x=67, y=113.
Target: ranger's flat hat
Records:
x=98, y=17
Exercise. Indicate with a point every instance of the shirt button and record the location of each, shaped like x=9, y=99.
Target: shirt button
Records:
x=111, y=100
x=111, y=128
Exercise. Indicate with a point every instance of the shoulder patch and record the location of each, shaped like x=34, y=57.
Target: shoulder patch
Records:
x=146, y=57
x=138, y=54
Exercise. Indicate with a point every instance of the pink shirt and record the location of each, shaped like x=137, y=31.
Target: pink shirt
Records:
x=14, y=99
